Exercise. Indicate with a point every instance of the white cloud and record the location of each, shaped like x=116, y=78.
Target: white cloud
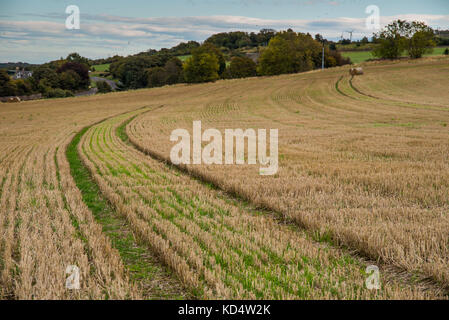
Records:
x=125, y=35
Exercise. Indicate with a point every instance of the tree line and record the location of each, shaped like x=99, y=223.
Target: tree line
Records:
x=217, y=58
x=220, y=57
x=415, y=38
x=60, y=78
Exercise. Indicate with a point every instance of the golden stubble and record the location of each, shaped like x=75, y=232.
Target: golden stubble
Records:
x=364, y=160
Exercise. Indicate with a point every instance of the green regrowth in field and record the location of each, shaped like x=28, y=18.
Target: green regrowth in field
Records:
x=220, y=248
x=362, y=180
x=145, y=270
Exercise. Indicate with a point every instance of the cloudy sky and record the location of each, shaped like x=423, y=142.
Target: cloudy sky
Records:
x=35, y=31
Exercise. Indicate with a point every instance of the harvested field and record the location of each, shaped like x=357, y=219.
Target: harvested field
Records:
x=218, y=247
x=363, y=161
x=44, y=224
x=363, y=177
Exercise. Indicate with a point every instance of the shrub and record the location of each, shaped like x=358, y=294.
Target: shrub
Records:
x=58, y=93
x=80, y=69
x=24, y=87
x=173, y=71
x=7, y=87
x=47, y=74
x=156, y=77
x=103, y=87
x=69, y=80
x=242, y=67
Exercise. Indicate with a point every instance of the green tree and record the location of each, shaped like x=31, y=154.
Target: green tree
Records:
x=83, y=79
x=173, y=71
x=69, y=80
x=419, y=39
x=391, y=42
x=242, y=67
x=50, y=76
x=290, y=52
x=24, y=87
x=132, y=71
x=75, y=57
x=103, y=87
x=156, y=77
x=277, y=58
x=201, y=67
x=319, y=38
x=211, y=49
x=364, y=40
x=7, y=87
x=230, y=40
x=414, y=37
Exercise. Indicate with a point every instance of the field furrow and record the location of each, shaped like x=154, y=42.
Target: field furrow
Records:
x=44, y=225
x=219, y=247
x=370, y=173
x=86, y=183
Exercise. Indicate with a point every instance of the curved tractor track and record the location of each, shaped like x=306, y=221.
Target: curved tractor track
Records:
x=357, y=174
x=219, y=247
x=370, y=174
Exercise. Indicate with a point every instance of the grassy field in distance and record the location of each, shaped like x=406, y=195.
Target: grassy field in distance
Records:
x=101, y=67
x=361, y=56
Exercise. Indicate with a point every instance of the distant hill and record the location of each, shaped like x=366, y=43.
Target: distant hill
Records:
x=13, y=65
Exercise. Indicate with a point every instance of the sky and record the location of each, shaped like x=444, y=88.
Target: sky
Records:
x=35, y=31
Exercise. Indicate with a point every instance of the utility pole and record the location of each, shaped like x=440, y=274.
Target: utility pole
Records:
x=350, y=33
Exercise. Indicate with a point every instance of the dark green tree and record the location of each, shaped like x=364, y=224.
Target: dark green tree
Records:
x=290, y=52
x=24, y=87
x=75, y=57
x=419, y=39
x=103, y=87
x=156, y=77
x=69, y=80
x=81, y=82
x=414, y=37
x=391, y=42
x=173, y=71
x=47, y=73
x=242, y=67
x=7, y=87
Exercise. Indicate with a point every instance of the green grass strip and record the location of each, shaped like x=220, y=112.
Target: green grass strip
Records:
x=154, y=278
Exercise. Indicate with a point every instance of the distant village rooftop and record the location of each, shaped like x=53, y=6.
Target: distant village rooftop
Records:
x=20, y=74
